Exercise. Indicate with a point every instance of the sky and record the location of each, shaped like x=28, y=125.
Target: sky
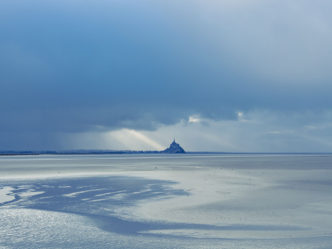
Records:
x=226, y=75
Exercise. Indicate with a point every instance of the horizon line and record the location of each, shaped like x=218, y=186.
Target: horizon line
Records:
x=105, y=151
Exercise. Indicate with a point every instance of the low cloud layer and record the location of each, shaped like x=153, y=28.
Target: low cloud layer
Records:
x=256, y=131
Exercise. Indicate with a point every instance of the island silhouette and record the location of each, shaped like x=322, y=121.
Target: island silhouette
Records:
x=174, y=148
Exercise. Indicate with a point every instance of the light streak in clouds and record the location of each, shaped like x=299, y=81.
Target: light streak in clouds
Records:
x=134, y=139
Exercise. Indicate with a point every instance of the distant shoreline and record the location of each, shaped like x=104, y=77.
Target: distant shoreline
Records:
x=111, y=152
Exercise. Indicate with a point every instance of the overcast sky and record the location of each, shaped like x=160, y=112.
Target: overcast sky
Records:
x=226, y=75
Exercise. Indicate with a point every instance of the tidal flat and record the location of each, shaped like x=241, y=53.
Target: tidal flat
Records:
x=166, y=201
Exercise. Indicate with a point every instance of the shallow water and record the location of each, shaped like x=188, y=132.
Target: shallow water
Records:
x=166, y=201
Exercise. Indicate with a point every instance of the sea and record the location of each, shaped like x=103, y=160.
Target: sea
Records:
x=151, y=201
